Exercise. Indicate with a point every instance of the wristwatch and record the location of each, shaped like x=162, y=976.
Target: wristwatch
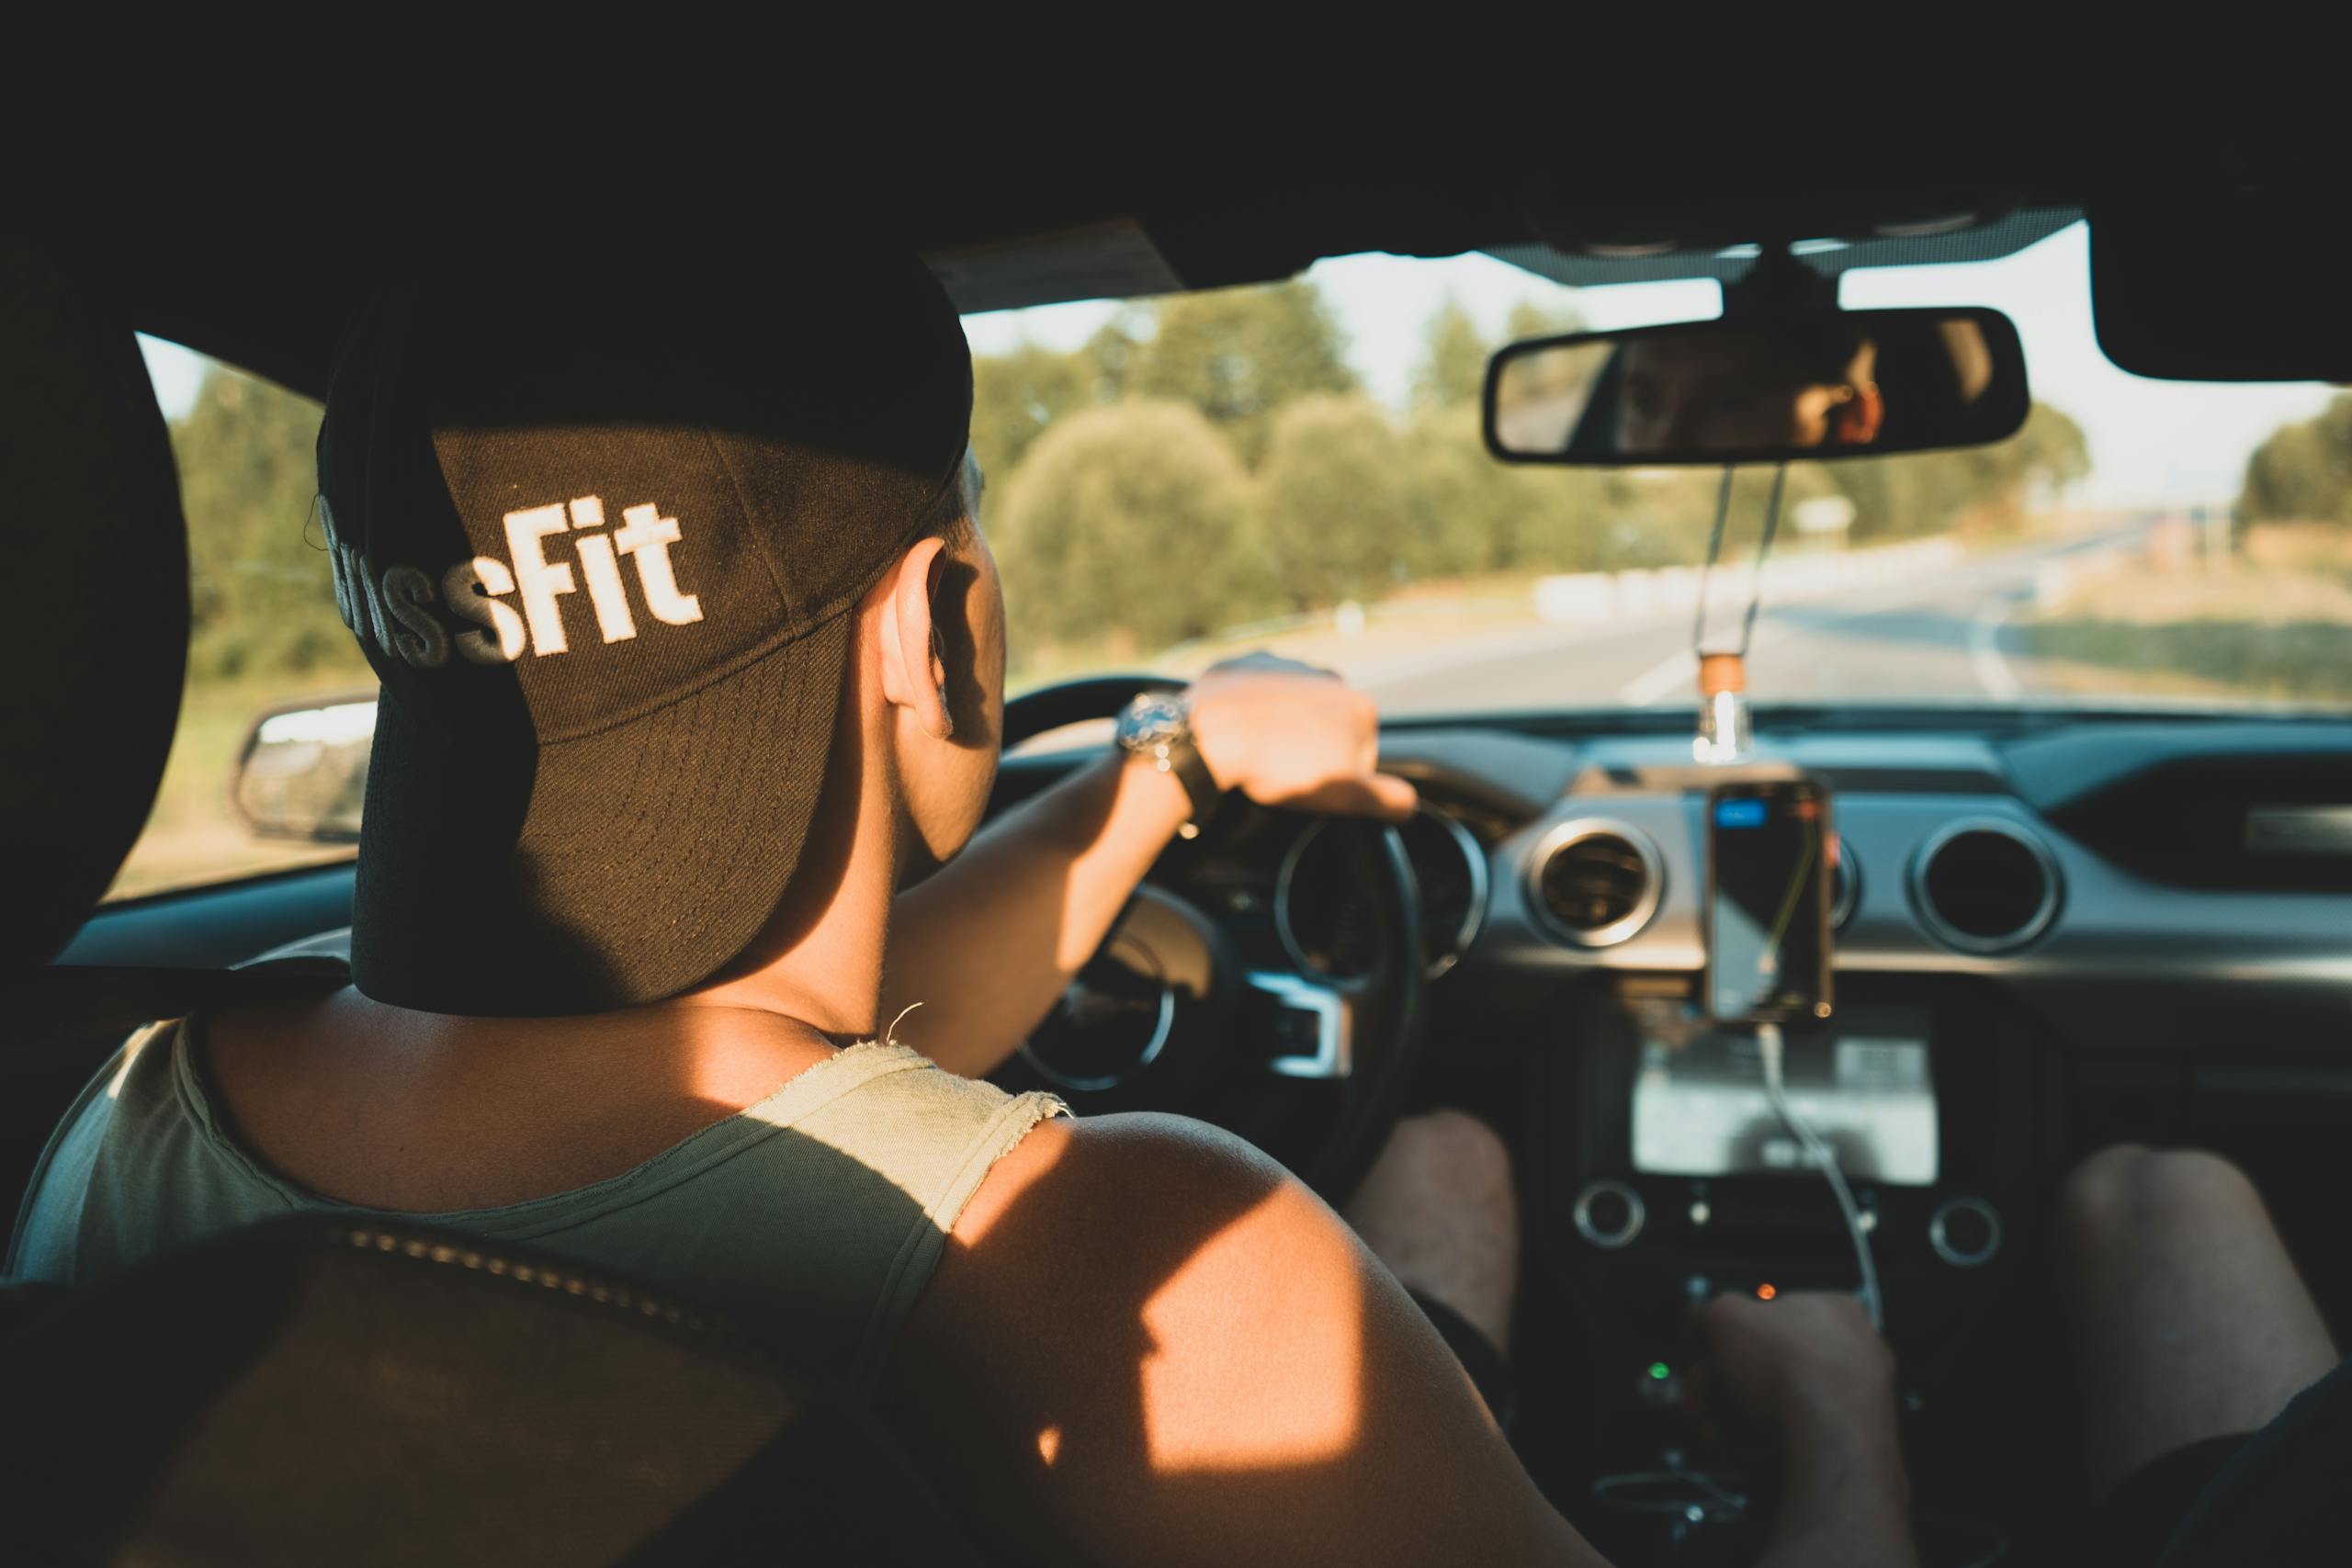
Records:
x=1157, y=726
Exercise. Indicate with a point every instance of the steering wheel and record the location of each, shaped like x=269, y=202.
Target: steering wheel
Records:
x=1169, y=1014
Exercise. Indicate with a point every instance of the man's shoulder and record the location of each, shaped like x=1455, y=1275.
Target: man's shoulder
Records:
x=1105, y=1178
x=1148, y=1306
x=46, y=1241
x=1100, y=1244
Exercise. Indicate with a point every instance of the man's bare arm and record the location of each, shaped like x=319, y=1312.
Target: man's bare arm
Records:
x=987, y=942
x=1148, y=1344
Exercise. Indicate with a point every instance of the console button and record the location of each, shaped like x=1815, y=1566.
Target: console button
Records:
x=1965, y=1232
x=1609, y=1213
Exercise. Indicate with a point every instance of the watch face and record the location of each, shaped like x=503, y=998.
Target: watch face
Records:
x=1151, y=719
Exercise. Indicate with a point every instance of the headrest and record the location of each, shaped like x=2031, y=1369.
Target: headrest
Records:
x=311, y=1391
x=94, y=627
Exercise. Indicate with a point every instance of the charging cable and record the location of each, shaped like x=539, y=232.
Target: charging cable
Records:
x=1819, y=1153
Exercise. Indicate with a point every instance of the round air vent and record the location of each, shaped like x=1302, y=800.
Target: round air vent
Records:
x=1594, y=883
x=1985, y=886
x=1845, y=887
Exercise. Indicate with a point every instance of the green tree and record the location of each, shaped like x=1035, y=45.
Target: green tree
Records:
x=1015, y=396
x=1239, y=355
x=1475, y=515
x=2288, y=476
x=1977, y=487
x=1620, y=519
x=2303, y=471
x=1130, y=525
x=1469, y=511
x=1336, y=489
x=1528, y=319
x=260, y=593
x=1117, y=348
x=2051, y=451
x=1453, y=362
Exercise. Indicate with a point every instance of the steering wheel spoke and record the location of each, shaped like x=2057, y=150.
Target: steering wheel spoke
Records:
x=1311, y=1022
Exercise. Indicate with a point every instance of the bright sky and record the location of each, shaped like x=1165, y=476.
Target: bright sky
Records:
x=2152, y=442
x=176, y=371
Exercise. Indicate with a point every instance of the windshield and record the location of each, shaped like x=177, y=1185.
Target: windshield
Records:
x=1299, y=468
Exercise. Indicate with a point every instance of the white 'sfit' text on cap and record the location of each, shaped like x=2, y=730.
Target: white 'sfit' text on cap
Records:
x=395, y=609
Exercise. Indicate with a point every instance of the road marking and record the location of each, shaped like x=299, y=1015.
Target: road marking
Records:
x=1682, y=669
x=1680, y=673
x=1984, y=652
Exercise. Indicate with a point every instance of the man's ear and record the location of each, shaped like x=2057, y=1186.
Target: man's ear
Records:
x=914, y=674
x=1854, y=421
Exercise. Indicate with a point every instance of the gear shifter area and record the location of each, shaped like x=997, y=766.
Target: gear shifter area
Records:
x=1667, y=1173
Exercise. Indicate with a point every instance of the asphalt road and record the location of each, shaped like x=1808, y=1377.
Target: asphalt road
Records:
x=1943, y=636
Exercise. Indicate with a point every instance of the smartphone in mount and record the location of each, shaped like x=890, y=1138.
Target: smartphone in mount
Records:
x=1770, y=850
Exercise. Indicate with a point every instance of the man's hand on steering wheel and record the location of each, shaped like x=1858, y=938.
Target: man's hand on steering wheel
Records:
x=1289, y=735
x=1071, y=862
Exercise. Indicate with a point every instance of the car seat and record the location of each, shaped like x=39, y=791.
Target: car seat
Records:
x=327, y=1388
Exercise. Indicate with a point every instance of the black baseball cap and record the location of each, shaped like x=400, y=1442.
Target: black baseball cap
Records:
x=599, y=512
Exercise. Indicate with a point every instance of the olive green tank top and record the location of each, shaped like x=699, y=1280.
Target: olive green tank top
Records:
x=819, y=1212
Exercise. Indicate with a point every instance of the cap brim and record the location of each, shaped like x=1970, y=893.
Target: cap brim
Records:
x=599, y=871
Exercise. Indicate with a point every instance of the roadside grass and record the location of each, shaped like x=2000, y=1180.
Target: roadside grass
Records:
x=2273, y=622
x=2304, y=661
x=2322, y=549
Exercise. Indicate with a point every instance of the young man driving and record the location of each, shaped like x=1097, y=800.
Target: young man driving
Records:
x=693, y=663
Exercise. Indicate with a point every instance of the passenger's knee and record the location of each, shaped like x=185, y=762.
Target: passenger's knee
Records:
x=1455, y=1143
x=2098, y=1190
x=2189, y=1185
x=2121, y=1192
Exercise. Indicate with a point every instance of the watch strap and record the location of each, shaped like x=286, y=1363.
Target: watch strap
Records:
x=1170, y=748
x=1178, y=755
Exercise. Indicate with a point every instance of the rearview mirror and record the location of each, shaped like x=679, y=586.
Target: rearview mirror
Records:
x=1814, y=384
x=303, y=772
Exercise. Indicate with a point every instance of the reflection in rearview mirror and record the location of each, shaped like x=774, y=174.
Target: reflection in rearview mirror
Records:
x=1814, y=384
x=303, y=774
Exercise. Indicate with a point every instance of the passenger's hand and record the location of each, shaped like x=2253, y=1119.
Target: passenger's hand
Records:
x=1808, y=1365
x=1802, y=1361
x=1288, y=734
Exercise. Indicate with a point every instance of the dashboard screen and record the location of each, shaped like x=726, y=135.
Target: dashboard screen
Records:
x=1864, y=1085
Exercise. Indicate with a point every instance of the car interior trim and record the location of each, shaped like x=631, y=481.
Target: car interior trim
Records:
x=1333, y=1057
x=1943, y=931
x=1576, y=830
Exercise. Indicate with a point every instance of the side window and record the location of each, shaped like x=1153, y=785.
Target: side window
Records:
x=265, y=632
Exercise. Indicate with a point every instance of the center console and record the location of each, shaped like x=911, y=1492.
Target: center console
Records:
x=1661, y=1175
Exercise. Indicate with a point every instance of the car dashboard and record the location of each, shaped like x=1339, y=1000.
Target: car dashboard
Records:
x=2049, y=936
x=2144, y=886
x=2044, y=865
